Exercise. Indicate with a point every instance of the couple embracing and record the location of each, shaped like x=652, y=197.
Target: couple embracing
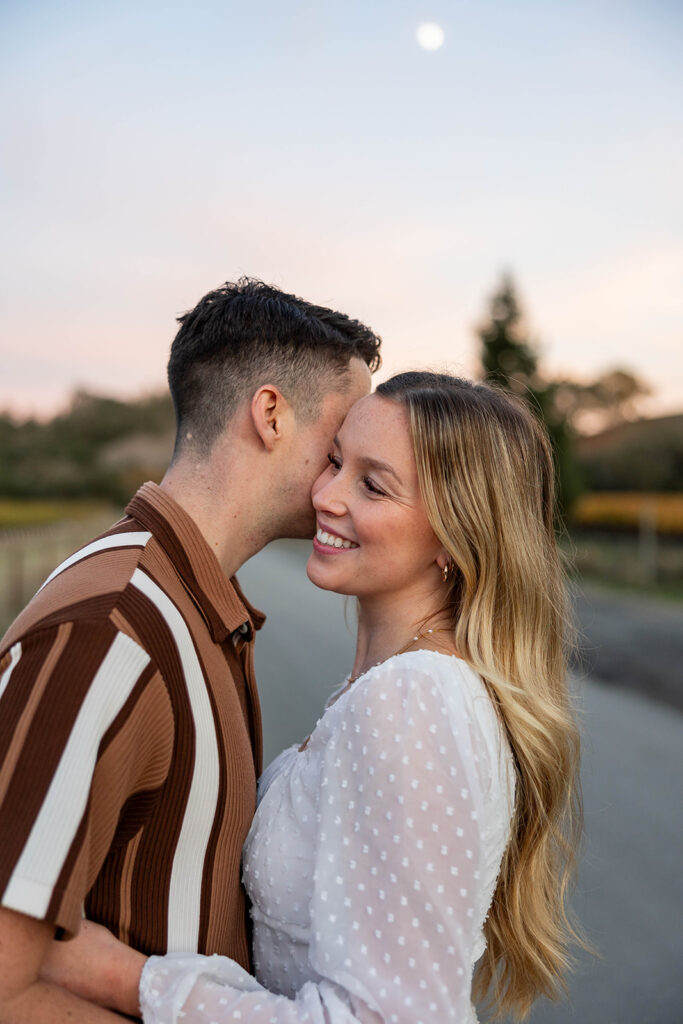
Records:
x=408, y=857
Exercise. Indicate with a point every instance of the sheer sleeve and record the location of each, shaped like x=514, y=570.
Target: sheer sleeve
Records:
x=397, y=869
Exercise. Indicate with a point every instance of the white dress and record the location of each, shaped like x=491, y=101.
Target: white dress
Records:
x=371, y=863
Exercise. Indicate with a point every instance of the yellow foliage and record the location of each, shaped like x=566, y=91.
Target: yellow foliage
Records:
x=630, y=509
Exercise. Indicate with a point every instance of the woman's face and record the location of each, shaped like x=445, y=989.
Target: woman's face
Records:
x=373, y=536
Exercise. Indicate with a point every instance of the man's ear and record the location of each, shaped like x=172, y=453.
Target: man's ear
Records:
x=270, y=412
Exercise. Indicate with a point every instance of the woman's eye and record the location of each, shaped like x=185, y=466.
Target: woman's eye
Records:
x=334, y=461
x=371, y=486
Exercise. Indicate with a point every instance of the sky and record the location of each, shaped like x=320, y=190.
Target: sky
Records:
x=151, y=151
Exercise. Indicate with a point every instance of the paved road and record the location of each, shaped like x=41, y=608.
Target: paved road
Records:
x=632, y=642
x=629, y=896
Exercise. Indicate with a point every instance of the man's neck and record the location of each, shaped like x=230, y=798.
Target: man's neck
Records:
x=222, y=506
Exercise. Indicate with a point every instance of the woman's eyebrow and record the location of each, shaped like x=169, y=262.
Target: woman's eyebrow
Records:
x=382, y=467
x=377, y=464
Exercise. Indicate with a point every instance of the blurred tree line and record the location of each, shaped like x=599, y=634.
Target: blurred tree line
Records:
x=103, y=447
x=81, y=452
x=627, y=455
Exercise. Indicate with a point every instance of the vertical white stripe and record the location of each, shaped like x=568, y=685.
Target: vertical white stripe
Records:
x=188, y=863
x=119, y=540
x=14, y=655
x=37, y=871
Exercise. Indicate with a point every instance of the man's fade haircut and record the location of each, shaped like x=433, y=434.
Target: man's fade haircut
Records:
x=247, y=333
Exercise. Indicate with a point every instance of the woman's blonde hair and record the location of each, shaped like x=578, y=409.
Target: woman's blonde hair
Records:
x=485, y=469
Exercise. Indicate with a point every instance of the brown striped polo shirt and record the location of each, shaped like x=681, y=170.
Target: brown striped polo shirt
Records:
x=130, y=740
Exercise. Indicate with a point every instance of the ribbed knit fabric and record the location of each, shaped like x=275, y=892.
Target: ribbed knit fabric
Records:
x=130, y=740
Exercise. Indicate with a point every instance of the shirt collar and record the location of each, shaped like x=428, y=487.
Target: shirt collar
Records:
x=220, y=599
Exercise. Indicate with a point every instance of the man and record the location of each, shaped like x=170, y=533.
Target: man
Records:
x=130, y=734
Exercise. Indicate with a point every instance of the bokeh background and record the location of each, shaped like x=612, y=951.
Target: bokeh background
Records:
x=505, y=204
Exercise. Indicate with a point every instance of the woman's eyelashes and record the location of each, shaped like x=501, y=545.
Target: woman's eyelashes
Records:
x=367, y=481
x=372, y=487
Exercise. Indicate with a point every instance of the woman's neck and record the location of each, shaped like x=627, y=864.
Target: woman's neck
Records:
x=387, y=627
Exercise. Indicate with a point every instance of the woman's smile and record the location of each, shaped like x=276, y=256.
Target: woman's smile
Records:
x=331, y=542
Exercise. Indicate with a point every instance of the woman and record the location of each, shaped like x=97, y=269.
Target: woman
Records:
x=429, y=822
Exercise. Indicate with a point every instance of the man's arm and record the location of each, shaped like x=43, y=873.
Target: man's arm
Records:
x=24, y=998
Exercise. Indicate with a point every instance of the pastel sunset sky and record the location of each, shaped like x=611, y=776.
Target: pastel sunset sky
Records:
x=151, y=151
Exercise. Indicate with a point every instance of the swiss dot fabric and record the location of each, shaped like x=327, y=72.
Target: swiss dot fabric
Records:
x=371, y=863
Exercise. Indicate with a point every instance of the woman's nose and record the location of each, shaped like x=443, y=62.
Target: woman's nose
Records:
x=328, y=495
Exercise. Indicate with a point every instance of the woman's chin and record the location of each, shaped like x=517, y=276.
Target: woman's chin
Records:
x=315, y=575
x=321, y=577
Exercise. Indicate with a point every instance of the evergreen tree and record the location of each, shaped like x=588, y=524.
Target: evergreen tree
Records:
x=510, y=359
x=507, y=356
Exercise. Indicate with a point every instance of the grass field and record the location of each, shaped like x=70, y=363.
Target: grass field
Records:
x=19, y=514
x=34, y=538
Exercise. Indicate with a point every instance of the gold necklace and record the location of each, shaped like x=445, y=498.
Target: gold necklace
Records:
x=401, y=650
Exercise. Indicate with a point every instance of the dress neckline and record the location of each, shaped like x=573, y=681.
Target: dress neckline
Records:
x=345, y=688
x=393, y=657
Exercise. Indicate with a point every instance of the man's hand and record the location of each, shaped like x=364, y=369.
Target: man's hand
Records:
x=96, y=966
x=24, y=997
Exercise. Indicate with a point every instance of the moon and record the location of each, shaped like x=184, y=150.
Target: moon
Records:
x=429, y=35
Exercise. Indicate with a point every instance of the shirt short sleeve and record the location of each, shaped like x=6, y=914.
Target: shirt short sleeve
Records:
x=69, y=757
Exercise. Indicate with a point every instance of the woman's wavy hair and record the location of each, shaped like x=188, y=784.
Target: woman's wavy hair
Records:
x=485, y=469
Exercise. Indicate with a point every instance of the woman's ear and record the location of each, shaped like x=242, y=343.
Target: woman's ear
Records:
x=443, y=559
x=270, y=412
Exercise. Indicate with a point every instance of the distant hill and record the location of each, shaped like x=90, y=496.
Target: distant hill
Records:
x=638, y=455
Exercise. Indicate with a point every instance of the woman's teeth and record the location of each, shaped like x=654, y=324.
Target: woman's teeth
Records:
x=333, y=541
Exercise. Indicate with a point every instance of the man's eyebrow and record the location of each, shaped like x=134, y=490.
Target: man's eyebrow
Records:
x=377, y=464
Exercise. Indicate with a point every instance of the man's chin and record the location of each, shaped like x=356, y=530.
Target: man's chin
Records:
x=301, y=528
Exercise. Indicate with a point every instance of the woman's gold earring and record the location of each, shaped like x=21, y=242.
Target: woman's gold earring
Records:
x=445, y=572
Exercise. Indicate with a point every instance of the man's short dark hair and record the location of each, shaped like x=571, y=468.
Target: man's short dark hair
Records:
x=248, y=333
